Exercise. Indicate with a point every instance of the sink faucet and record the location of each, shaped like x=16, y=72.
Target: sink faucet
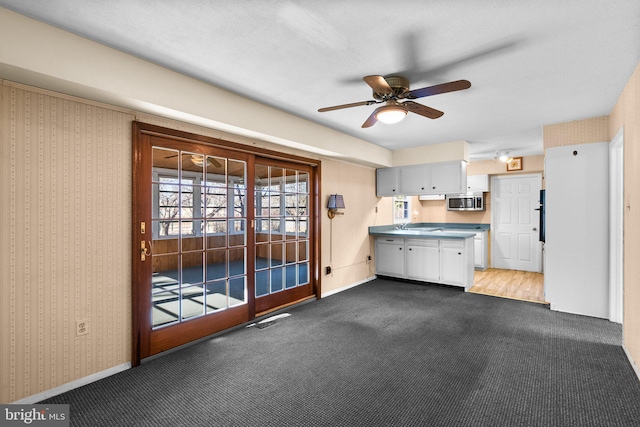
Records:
x=402, y=226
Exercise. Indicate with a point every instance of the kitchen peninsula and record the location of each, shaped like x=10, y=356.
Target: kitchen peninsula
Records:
x=435, y=253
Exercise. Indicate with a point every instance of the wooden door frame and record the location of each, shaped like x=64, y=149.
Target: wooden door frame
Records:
x=141, y=204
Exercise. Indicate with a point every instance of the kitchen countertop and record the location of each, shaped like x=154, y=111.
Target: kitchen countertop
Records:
x=422, y=231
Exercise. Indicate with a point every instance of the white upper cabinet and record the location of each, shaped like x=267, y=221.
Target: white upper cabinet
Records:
x=428, y=178
x=477, y=183
x=413, y=179
x=447, y=178
x=388, y=182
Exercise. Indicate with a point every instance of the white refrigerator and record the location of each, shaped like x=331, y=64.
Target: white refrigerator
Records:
x=576, y=275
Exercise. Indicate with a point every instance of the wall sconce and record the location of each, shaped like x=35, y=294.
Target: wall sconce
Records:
x=336, y=201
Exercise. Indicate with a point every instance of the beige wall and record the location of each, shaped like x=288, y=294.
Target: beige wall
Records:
x=345, y=239
x=627, y=113
x=448, y=151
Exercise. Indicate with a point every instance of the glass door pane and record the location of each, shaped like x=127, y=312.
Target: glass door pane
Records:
x=199, y=219
x=281, y=238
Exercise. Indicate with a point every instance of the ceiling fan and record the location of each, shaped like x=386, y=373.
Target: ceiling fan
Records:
x=197, y=159
x=391, y=91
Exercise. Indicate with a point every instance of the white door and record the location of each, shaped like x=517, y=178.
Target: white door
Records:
x=515, y=221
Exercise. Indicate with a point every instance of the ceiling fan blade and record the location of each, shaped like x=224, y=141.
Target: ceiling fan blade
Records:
x=423, y=110
x=338, y=107
x=378, y=84
x=372, y=120
x=437, y=89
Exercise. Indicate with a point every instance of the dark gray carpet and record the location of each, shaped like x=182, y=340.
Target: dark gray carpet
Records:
x=385, y=353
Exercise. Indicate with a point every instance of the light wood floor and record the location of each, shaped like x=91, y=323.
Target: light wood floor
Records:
x=520, y=285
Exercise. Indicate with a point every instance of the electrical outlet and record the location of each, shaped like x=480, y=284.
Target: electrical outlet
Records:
x=82, y=327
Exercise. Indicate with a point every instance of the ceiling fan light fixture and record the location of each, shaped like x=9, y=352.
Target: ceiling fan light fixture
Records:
x=198, y=160
x=391, y=115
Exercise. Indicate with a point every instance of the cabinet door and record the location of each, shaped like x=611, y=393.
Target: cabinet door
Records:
x=478, y=252
x=390, y=259
x=452, y=261
x=413, y=180
x=387, y=182
x=447, y=177
x=423, y=262
x=477, y=183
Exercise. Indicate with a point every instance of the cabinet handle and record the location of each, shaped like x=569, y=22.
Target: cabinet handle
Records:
x=459, y=253
x=434, y=188
x=400, y=248
x=410, y=249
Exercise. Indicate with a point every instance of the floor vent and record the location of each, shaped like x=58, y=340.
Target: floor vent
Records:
x=265, y=323
x=262, y=325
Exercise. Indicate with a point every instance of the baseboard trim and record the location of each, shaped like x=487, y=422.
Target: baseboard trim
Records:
x=633, y=363
x=344, y=288
x=73, y=384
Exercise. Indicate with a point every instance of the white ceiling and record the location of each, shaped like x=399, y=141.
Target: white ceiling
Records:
x=530, y=62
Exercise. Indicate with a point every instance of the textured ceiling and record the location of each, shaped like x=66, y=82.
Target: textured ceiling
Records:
x=530, y=62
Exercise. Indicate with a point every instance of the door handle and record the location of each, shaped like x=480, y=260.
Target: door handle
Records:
x=535, y=229
x=144, y=251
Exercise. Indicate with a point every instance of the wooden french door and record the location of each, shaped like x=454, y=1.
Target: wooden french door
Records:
x=220, y=235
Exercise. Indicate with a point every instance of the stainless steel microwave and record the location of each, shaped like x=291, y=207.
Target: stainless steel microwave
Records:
x=469, y=202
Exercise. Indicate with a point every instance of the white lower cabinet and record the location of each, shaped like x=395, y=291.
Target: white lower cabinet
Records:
x=390, y=256
x=423, y=260
x=480, y=247
x=452, y=259
x=447, y=261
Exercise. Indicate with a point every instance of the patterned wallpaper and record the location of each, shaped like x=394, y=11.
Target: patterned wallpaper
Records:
x=64, y=255
x=595, y=129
